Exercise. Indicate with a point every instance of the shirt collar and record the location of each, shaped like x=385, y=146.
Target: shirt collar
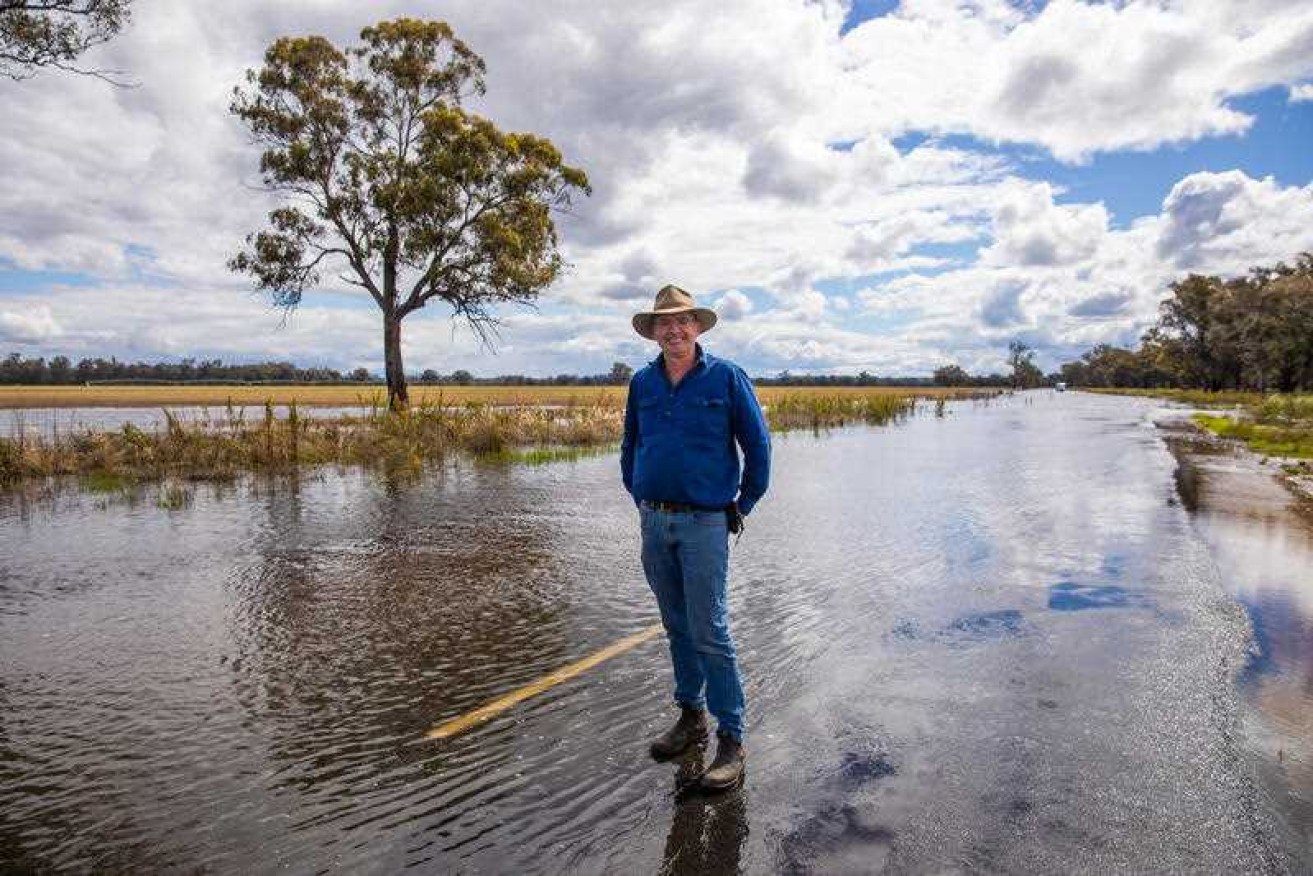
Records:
x=700, y=358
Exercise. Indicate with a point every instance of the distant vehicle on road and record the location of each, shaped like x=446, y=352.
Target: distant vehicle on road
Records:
x=1060, y=386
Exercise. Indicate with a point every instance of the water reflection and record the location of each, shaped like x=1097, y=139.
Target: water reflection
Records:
x=707, y=832
x=1066, y=596
x=1262, y=539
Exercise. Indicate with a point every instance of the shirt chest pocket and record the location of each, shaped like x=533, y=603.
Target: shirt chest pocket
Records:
x=653, y=417
x=708, y=416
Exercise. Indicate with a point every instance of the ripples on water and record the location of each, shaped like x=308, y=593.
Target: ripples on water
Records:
x=243, y=685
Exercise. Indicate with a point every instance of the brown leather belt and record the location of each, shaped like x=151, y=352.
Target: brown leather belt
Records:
x=676, y=507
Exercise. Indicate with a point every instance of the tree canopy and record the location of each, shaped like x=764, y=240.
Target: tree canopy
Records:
x=1025, y=373
x=35, y=34
x=951, y=375
x=387, y=178
x=1250, y=332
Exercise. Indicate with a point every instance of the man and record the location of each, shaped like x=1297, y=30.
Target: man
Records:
x=685, y=413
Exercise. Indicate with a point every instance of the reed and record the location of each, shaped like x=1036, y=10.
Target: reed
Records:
x=829, y=411
x=217, y=450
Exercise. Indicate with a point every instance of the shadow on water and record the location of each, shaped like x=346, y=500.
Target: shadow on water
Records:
x=844, y=832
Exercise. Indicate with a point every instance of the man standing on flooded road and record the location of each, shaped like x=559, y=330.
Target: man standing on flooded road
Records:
x=686, y=412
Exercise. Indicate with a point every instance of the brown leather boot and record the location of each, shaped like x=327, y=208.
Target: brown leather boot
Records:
x=726, y=770
x=691, y=727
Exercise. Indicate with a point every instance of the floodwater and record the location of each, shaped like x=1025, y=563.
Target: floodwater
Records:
x=46, y=422
x=993, y=641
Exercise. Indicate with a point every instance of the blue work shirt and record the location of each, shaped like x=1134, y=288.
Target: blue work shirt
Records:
x=679, y=440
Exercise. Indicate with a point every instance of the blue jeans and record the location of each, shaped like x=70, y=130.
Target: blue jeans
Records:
x=686, y=559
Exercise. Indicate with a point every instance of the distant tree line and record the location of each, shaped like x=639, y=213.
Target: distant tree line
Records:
x=955, y=375
x=786, y=378
x=60, y=370
x=1248, y=333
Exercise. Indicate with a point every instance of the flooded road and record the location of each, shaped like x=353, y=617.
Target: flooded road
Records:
x=993, y=641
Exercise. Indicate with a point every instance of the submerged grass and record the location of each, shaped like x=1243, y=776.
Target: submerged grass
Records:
x=218, y=448
x=823, y=412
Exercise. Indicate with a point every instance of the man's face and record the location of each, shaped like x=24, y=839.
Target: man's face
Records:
x=677, y=334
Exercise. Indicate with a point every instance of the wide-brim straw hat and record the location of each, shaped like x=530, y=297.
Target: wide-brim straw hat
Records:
x=671, y=300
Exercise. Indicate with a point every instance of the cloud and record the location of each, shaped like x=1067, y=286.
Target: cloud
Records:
x=876, y=244
x=1074, y=78
x=638, y=272
x=35, y=325
x=1302, y=93
x=1104, y=304
x=795, y=170
x=1228, y=221
x=1002, y=308
x=733, y=305
x=1030, y=229
x=1219, y=223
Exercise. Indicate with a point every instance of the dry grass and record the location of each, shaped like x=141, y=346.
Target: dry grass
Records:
x=354, y=395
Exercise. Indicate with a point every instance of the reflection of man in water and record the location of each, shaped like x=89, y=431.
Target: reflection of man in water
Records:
x=685, y=413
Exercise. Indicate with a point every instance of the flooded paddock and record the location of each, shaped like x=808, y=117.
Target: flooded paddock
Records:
x=51, y=422
x=995, y=641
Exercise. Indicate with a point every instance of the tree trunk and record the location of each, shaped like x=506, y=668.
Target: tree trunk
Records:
x=398, y=399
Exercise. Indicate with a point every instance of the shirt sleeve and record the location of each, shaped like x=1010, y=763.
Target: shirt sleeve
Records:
x=630, y=440
x=753, y=437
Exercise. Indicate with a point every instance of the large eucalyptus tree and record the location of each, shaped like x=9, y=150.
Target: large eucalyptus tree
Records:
x=388, y=179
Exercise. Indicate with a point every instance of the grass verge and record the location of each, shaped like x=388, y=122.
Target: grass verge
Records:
x=1293, y=440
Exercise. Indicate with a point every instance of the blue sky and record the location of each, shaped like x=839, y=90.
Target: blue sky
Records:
x=874, y=186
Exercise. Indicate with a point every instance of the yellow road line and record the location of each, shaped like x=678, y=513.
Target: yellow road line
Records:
x=565, y=673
